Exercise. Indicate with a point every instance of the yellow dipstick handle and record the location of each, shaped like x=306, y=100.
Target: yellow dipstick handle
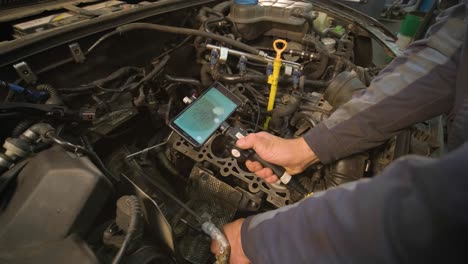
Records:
x=273, y=78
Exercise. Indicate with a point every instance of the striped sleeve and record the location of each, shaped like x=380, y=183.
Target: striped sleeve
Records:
x=414, y=212
x=415, y=87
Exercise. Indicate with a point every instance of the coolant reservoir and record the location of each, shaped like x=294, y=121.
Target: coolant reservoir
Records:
x=254, y=18
x=322, y=22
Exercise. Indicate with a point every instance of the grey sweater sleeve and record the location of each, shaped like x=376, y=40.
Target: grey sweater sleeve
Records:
x=416, y=86
x=415, y=212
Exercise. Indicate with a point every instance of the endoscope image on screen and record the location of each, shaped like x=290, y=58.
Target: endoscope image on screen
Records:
x=205, y=115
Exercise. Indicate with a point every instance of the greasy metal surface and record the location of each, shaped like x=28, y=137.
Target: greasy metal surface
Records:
x=77, y=53
x=25, y=72
x=211, y=198
x=278, y=196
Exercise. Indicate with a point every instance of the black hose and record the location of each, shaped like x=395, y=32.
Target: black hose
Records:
x=324, y=56
x=251, y=89
x=255, y=78
x=119, y=73
x=222, y=7
x=211, y=20
x=188, y=31
x=81, y=89
x=168, y=165
x=157, y=68
x=219, y=9
x=190, y=81
x=237, y=78
x=309, y=17
x=161, y=156
x=278, y=114
x=134, y=227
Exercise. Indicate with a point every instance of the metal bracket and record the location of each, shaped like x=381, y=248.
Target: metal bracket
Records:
x=25, y=72
x=77, y=53
x=276, y=195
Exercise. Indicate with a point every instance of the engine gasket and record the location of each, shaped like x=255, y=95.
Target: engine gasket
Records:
x=277, y=196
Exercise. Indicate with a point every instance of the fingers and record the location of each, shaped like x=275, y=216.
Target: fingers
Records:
x=272, y=179
x=265, y=173
x=253, y=166
x=247, y=142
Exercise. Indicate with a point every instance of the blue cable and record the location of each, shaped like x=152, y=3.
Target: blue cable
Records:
x=21, y=90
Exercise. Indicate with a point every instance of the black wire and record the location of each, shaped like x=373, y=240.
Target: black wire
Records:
x=183, y=42
x=247, y=122
x=168, y=194
x=258, y=105
x=101, y=39
x=133, y=228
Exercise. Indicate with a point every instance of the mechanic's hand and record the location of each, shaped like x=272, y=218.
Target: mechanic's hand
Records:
x=232, y=231
x=293, y=154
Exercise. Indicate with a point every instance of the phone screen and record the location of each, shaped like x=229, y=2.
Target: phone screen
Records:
x=201, y=119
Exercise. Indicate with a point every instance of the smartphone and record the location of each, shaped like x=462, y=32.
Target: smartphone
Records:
x=204, y=116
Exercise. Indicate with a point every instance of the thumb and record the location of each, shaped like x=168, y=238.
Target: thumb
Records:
x=214, y=247
x=247, y=142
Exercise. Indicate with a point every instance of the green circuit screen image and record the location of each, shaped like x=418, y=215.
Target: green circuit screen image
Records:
x=205, y=115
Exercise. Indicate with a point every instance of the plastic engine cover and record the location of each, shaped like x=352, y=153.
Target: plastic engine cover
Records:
x=56, y=194
x=271, y=18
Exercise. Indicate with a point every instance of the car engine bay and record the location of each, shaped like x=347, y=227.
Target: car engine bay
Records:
x=91, y=171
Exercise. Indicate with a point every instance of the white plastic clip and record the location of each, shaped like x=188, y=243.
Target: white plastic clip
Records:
x=224, y=53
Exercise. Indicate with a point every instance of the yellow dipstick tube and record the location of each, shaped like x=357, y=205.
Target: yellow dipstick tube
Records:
x=273, y=78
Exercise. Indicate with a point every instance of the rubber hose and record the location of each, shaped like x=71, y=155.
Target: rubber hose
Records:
x=54, y=97
x=167, y=164
x=280, y=112
x=124, y=71
x=134, y=227
x=322, y=66
x=211, y=20
x=222, y=7
x=157, y=68
x=164, y=160
x=310, y=18
x=188, y=31
x=254, y=78
x=235, y=78
x=324, y=56
x=184, y=80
